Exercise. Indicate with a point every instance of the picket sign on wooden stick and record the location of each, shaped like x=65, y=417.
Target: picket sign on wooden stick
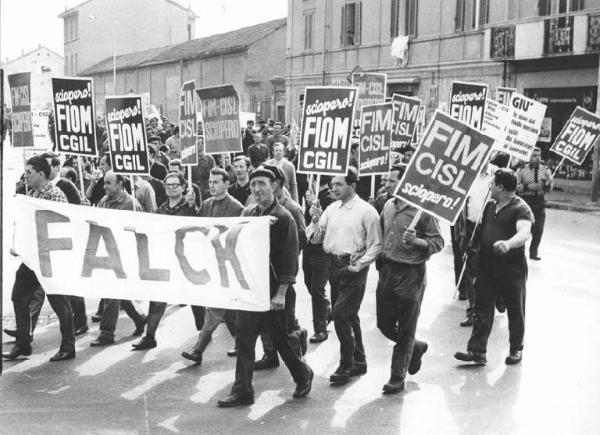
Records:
x=189, y=177
x=415, y=220
x=81, y=185
x=556, y=169
x=132, y=191
x=373, y=186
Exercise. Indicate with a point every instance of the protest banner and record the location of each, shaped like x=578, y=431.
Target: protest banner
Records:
x=20, y=95
x=503, y=94
x=496, y=119
x=444, y=167
x=103, y=253
x=375, y=139
x=188, y=124
x=524, y=128
x=546, y=130
x=419, y=127
x=578, y=136
x=326, y=130
x=74, y=120
x=371, y=90
x=467, y=102
x=406, y=115
x=221, y=119
x=41, y=135
x=127, y=135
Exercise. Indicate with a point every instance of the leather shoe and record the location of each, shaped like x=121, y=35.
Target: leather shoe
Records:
x=144, y=343
x=467, y=322
x=139, y=328
x=476, y=357
x=267, y=362
x=394, y=386
x=462, y=297
x=17, y=351
x=500, y=306
x=417, y=354
x=358, y=369
x=96, y=318
x=232, y=352
x=193, y=355
x=303, y=343
x=11, y=332
x=235, y=400
x=515, y=357
x=62, y=355
x=82, y=330
x=319, y=337
x=341, y=376
x=102, y=341
x=535, y=257
x=303, y=388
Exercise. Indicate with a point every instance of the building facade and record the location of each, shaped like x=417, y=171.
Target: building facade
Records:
x=252, y=59
x=546, y=49
x=94, y=29
x=43, y=64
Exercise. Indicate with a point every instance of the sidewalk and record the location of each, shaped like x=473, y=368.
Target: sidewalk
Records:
x=571, y=201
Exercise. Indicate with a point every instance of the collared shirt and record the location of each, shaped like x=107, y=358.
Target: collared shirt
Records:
x=49, y=192
x=380, y=201
x=528, y=175
x=144, y=193
x=349, y=228
x=501, y=224
x=283, y=254
x=123, y=201
x=396, y=217
x=224, y=207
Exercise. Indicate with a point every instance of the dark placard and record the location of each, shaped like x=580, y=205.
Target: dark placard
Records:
x=20, y=95
x=578, y=136
x=467, y=102
x=375, y=139
x=371, y=90
x=74, y=120
x=188, y=123
x=127, y=135
x=406, y=115
x=221, y=116
x=326, y=130
x=444, y=167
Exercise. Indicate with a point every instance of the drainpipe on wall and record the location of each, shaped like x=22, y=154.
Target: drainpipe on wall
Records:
x=324, y=38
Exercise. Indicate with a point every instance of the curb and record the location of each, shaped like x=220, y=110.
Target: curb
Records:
x=572, y=207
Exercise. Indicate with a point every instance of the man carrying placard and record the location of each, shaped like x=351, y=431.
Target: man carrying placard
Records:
x=402, y=280
x=502, y=270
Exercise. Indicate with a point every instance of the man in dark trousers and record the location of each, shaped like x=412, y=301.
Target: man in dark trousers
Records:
x=37, y=175
x=533, y=181
x=351, y=235
x=283, y=257
x=315, y=265
x=502, y=269
x=402, y=280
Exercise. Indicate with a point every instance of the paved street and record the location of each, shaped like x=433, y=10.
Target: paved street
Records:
x=555, y=390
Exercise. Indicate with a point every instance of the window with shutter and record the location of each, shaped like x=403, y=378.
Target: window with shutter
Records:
x=351, y=23
x=458, y=17
x=412, y=11
x=394, y=30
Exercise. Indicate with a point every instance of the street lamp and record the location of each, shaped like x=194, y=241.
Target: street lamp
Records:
x=114, y=44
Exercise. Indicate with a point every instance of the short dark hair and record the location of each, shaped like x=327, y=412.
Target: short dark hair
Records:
x=176, y=162
x=325, y=180
x=506, y=178
x=179, y=177
x=351, y=175
x=176, y=129
x=39, y=164
x=54, y=159
x=220, y=171
x=244, y=159
x=400, y=170
x=70, y=174
x=107, y=156
x=278, y=143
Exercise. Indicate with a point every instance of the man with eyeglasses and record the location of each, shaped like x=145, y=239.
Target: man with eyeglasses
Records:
x=176, y=205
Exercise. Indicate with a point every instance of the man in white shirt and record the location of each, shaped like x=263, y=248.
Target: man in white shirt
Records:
x=351, y=235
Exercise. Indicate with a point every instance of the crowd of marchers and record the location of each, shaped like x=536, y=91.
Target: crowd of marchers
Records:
x=329, y=226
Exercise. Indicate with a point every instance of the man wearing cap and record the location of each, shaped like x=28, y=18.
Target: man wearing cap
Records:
x=283, y=258
x=351, y=235
x=270, y=359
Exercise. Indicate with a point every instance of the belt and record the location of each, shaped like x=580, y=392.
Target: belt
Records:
x=341, y=257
